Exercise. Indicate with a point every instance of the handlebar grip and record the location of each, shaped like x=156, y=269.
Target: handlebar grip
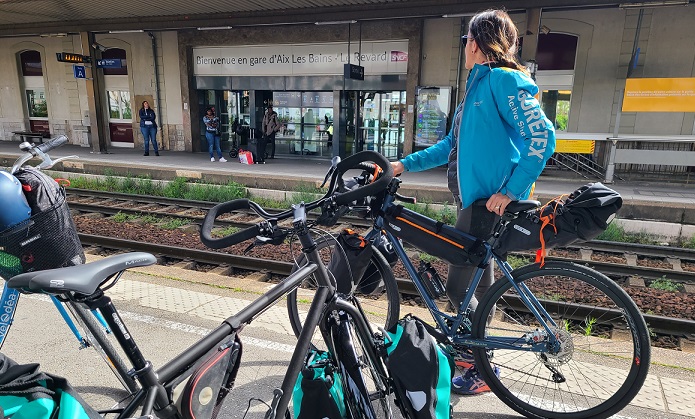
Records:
x=53, y=143
x=356, y=161
x=238, y=237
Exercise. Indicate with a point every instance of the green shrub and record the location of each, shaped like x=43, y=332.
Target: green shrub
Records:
x=664, y=284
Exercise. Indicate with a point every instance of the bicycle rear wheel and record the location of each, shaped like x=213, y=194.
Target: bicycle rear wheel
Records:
x=381, y=306
x=603, y=354
x=96, y=338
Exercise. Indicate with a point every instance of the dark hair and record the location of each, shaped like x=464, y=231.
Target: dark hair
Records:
x=143, y=104
x=497, y=37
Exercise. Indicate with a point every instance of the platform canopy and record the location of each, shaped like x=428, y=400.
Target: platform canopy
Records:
x=62, y=17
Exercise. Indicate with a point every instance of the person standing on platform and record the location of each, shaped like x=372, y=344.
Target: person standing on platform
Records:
x=497, y=147
x=271, y=126
x=148, y=128
x=212, y=134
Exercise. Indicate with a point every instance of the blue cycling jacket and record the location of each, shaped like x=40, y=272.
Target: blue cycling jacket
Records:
x=504, y=137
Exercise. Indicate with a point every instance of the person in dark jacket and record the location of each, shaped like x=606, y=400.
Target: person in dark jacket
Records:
x=497, y=147
x=148, y=127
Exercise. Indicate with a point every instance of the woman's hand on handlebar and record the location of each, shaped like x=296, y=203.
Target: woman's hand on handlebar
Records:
x=498, y=203
x=398, y=167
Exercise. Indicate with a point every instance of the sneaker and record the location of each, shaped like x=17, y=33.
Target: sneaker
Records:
x=212, y=159
x=464, y=360
x=146, y=154
x=222, y=159
x=156, y=153
x=471, y=382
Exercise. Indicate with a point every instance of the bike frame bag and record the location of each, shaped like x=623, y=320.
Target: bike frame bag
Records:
x=434, y=237
x=211, y=381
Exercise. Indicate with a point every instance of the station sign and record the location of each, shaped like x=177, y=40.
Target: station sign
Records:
x=109, y=63
x=354, y=71
x=79, y=71
x=69, y=57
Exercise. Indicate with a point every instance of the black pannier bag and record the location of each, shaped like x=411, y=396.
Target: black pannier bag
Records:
x=434, y=237
x=581, y=215
x=49, y=238
x=421, y=369
x=349, y=261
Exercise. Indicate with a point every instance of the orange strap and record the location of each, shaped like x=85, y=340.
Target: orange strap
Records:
x=63, y=182
x=548, y=219
x=352, y=232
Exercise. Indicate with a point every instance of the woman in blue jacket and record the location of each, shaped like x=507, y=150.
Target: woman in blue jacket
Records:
x=148, y=127
x=497, y=147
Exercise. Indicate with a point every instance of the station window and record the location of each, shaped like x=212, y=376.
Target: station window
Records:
x=119, y=105
x=31, y=63
x=36, y=103
x=556, y=58
x=116, y=54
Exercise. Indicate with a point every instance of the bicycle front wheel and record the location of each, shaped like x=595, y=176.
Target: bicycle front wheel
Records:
x=602, y=354
x=366, y=388
x=96, y=338
x=381, y=304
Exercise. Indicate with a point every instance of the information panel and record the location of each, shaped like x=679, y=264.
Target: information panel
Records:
x=432, y=113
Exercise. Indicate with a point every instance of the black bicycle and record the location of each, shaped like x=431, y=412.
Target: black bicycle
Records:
x=170, y=391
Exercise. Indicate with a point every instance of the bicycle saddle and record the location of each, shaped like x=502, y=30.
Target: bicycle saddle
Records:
x=521, y=206
x=82, y=279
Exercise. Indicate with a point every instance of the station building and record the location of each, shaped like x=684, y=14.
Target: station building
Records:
x=615, y=78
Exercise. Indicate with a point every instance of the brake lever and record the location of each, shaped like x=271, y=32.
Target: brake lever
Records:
x=277, y=238
x=51, y=163
x=328, y=176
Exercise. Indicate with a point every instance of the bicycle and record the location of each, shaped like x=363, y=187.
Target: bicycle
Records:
x=536, y=351
x=353, y=345
x=92, y=330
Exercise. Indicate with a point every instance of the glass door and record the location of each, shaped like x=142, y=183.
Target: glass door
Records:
x=381, y=123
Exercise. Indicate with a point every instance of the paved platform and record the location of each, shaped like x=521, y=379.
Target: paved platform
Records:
x=667, y=392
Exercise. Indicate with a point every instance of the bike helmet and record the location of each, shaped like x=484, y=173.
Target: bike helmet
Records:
x=15, y=207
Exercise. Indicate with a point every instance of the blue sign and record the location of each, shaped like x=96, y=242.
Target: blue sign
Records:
x=79, y=72
x=109, y=63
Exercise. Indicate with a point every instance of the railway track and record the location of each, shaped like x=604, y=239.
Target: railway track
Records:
x=659, y=324
x=681, y=261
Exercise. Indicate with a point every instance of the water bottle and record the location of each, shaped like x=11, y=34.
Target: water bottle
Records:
x=431, y=280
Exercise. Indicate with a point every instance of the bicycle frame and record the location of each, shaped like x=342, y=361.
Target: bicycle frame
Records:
x=156, y=387
x=451, y=325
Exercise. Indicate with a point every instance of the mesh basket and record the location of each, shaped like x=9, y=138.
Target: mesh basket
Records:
x=47, y=240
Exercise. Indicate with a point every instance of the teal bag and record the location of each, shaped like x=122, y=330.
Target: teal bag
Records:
x=421, y=370
x=318, y=392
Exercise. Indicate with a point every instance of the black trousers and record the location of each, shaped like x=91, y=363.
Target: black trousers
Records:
x=271, y=140
x=260, y=148
x=477, y=221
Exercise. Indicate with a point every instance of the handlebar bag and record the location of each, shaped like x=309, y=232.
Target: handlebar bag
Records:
x=349, y=262
x=49, y=238
x=579, y=216
x=420, y=368
x=217, y=373
x=318, y=392
x=434, y=237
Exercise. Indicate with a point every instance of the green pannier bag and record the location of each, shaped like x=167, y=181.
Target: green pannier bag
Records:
x=318, y=392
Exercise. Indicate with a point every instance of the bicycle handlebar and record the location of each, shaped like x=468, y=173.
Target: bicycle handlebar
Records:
x=51, y=144
x=358, y=161
x=232, y=239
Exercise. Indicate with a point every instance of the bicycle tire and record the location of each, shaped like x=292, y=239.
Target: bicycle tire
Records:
x=94, y=333
x=234, y=153
x=372, y=304
x=349, y=350
x=526, y=382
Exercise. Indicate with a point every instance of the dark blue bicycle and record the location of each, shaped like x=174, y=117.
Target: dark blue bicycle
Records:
x=558, y=340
